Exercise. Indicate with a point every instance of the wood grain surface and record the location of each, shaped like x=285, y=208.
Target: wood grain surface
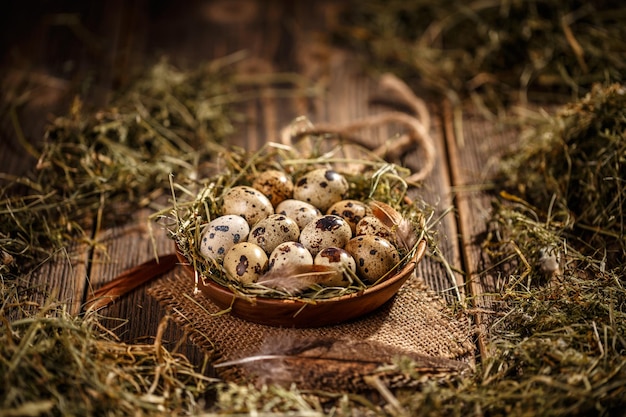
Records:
x=54, y=55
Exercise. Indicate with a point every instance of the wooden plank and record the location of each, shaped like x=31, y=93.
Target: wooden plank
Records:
x=474, y=148
x=57, y=281
x=135, y=317
x=453, y=286
x=33, y=97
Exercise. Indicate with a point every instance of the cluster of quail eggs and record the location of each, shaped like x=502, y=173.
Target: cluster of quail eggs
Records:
x=280, y=224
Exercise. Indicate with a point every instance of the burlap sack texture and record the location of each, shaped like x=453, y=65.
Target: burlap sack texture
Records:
x=415, y=322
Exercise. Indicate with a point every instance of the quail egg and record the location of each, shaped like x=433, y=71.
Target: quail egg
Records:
x=303, y=213
x=274, y=230
x=321, y=187
x=275, y=185
x=245, y=262
x=290, y=254
x=340, y=261
x=374, y=256
x=351, y=211
x=325, y=231
x=372, y=225
x=248, y=203
x=221, y=234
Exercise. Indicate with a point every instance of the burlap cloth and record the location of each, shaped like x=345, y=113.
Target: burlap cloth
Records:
x=415, y=320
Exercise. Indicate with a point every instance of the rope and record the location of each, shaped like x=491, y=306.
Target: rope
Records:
x=417, y=128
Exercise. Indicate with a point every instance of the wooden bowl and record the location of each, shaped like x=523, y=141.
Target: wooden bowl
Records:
x=296, y=313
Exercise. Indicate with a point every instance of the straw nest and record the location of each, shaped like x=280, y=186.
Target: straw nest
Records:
x=370, y=178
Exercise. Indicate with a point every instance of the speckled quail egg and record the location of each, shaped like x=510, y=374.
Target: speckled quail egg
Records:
x=221, y=234
x=274, y=230
x=372, y=225
x=374, y=256
x=290, y=254
x=303, y=213
x=245, y=262
x=248, y=203
x=321, y=187
x=275, y=185
x=340, y=261
x=325, y=231
x=351, y=211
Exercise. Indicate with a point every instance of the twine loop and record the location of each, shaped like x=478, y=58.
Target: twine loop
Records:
x=416, y=126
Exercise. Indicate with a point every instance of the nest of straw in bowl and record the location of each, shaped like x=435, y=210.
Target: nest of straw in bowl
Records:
x=372, y=180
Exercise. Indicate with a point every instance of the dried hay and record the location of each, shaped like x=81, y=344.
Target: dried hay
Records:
x=559, y=342
x=370, y=178
x=54, y=364
x=492, y=51
x=167, y=121
x=50, y=362
x=571, y=169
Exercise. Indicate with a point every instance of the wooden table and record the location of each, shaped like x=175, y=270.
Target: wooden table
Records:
x=56, y=45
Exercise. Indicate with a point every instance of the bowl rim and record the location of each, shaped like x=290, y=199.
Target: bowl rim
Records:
x=402, y=274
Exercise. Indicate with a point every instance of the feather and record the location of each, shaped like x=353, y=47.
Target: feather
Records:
x=406, y=235
x=293, y=279
x=402, y=229
x=337, y=364
x=129, y=280
x=385, y=213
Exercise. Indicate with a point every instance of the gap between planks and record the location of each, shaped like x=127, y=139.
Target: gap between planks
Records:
x=474, y=146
